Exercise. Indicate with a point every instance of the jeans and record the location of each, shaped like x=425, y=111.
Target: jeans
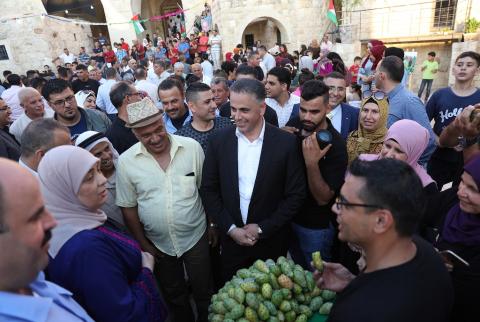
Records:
x=169, y=271
x=307, y=240
x=427, y=82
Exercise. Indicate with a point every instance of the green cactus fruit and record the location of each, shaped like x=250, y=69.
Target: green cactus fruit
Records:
x=267, y=291
x=300, y=298
x=281, y=259
x=317, y=261
x=249, y=286
x=273, y=281
x=287, y=294
x=285, y=306
x=290, y=316
x=286, y=269
x=271, y=307
x=303, y=309
x=251, y=314
x=251, y=300
x=239, y=295
x=301, y=318
x=237, y=311
x=284, y=281
x=328, y=295
x=310, y=281
x=325, y=308
x=218, y=318
x=230, y=303
x=275, y=270
x=243, y=273
x=277, y=297
x=261, y=278
x=263, y=312
x=219, y=308
x=297, y=289
x=316, y=291
x=273, y=319
x=270, y=262
x=261, y=266
x=316, y=303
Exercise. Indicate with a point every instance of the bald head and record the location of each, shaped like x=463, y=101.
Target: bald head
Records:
x=26, y=93
x=197, y=70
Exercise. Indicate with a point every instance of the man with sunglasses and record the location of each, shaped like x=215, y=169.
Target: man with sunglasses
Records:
x=378, y=210
x=61, y=99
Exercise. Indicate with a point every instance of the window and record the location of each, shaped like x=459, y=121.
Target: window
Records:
x=3, y=53
x=445, y=14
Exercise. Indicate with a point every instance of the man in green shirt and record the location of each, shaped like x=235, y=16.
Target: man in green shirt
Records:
x=429, y=69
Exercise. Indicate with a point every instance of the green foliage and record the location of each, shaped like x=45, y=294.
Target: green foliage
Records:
x=472, y=25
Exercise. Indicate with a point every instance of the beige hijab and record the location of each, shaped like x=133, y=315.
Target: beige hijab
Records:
x=61, y=173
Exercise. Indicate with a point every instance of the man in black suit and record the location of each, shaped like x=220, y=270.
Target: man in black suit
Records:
x=253, y=182
x=244, y=71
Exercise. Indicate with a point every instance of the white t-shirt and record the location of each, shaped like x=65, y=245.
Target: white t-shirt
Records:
x=67, y=59
x=215, y=43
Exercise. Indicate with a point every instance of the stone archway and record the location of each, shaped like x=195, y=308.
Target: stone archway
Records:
x=267, y=30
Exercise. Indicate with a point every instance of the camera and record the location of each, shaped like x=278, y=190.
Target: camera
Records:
x=324, y=138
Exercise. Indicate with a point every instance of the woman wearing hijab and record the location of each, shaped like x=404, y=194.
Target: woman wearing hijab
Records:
x=372, y=128
x=456, y=214
x=365, y=74
x=86, y=99
x=406, y=140
x=106, y=271
x=100, y=147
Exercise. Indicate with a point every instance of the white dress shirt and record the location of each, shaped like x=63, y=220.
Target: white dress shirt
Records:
x=335, y=117
x=103, y=97
x=155, y=79
x=283, y=112
x=21, y=123
x=207, y=69
x=269, y=62
x=248, y=161
x=207, y=80
x=67, y=59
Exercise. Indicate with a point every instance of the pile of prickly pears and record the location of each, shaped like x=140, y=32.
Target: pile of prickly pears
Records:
x=269, y=291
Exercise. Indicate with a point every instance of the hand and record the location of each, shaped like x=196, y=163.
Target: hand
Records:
x=240, y=236
x=370, y=78
x=335, y=277
x=148, y=261
x=252, y=230
x=290, y=129
x=212, y=236
x=311, y=150
x=150, y=248
x=468, y=128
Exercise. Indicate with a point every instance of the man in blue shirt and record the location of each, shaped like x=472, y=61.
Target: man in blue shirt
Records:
x=172, y=96
x=25, y=230
x=184, y=47
x=403, y=103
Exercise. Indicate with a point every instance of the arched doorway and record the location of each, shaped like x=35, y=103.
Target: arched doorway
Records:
x=151, y=8
x=267, y=30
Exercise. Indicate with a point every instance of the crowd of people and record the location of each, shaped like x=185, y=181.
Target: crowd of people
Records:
x=135, y=182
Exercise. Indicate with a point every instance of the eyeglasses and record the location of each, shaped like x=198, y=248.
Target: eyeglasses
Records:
x=61, y=103
x=341, y=202
x=378, y=95
x=336, y=89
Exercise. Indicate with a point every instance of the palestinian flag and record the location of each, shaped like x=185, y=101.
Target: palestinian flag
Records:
x=137, y=25
x=331, y=13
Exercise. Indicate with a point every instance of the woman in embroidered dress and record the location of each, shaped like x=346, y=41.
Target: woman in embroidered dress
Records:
x=105, y=270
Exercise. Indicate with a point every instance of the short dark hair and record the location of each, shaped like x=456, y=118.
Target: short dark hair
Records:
x=305, y=76
x=6, y=73
x=220, y=80
x=178, y=79
x=40, y=134
x=140, y=73
x=111, y=72
x=191, y=94
x=191, y=78
x=313, y=89
x=395, y=51
x=229, y=66
x=14, y=79
x=244, y=69
x=81, y=67
x=282, y=74
x=392, y=185
x=63, y=71
x=37, y=81
x=432, y=53
x=118, y=93
x=161, y=63
x=250, y=87
x=54, y=86
x=252, y=53
x=471, y=54
x=170, y=83
x=357, y=58
x=393, y=67
x=335, y=75
x=262, y=47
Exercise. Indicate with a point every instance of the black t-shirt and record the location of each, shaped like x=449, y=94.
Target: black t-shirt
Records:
x=121, y=137
x=332, y=167
x=98, y=59
x=90, y=85
x=178, y=123
x=80, y=127
x=417, y=291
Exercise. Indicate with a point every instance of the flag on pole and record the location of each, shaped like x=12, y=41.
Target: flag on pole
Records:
x=137, y=25
x=331, y=13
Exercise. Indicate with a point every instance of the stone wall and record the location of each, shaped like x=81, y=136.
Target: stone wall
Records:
x=265, y=31
x=33, y=42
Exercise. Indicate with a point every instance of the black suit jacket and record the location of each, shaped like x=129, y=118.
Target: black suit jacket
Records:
x=280, y=185
x=270, y=114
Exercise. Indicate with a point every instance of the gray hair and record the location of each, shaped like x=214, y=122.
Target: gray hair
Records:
x=251, y=87
x=220, y=80
x=40, y=134
x=26, y=93
x=178, y=64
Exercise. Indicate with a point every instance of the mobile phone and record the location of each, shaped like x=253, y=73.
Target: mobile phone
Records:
x=453, y=258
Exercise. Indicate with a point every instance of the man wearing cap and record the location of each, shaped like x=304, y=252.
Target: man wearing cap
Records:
x=157, y=188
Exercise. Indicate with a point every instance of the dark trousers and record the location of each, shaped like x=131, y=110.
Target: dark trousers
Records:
x=424, y=82
x=169, y=271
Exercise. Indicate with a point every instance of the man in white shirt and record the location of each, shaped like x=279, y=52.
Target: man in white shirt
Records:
x=207, y=68
x=32, y=103
x=253, y=204
x=197, y=70
x=278, y=96
x=215, y=43
x=103, y=97
x=267, y=59
x=67, y=57
x=10, y=95
x=143, y=85
x=159, y=73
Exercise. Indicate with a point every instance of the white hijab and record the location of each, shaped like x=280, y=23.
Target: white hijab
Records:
x=61, y=173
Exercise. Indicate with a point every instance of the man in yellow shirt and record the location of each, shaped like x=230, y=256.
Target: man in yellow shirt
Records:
x=157, y=188
x=429, y=69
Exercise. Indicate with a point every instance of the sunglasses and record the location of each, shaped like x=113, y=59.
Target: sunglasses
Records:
x=378, y=95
